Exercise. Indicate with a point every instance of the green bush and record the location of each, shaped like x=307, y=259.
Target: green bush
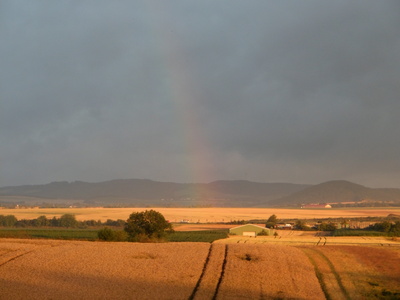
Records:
x=149, y=223
x=8, y=221
x=107, y=234
x=68, y=220
x=327, y=226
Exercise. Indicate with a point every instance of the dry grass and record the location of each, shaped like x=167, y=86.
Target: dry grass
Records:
x=202, y=215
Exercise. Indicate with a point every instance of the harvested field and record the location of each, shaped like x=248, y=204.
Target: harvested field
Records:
x=294, y=238
x=50, y=269
x=202, y=215
x=210, y=280
x=274, y=272
x=82, y=270
x=357, y=272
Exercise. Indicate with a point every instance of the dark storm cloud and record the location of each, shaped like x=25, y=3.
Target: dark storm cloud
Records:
x=282, y=91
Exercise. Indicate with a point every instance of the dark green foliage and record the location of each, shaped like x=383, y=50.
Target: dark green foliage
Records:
x=378, y=229
x=357, y=232
x=41, y=221
x=391, y=229
x=107, y=234
x=383, y=226
x=263, y=233
x=118, y=222
x=62, y=234
x=271, y=222
x=238, y=222
x=327, y=226
x=68, y=220
x=92, y=223
x=301, y=225
x=148, y=224
x=395, y=229
x=8, y=221
x=55, y=222
x=207, y=236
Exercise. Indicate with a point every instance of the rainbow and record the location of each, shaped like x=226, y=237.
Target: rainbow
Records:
x=198, y=161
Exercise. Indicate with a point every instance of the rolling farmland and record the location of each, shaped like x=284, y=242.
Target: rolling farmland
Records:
x=292, y=265
x=202, y=215
x=48, y=269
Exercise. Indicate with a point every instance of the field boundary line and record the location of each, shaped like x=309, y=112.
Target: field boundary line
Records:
x=202, y=274
x=222, y=273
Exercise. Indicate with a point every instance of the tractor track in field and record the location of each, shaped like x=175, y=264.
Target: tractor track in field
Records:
x=207, y=286
x=329, y=279
x=15, y=257
x=202, y=274
x=221, y=277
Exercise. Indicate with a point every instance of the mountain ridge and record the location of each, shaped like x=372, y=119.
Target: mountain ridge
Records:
x=340, y=191
x=219, y=193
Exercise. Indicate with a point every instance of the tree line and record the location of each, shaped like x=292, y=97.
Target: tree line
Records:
x=391, y=228
x=66, y=220
x=145, y=226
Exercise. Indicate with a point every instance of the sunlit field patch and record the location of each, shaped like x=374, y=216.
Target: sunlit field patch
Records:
x=54, y=269
x=202, y=215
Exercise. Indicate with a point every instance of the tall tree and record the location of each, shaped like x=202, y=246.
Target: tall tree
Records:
x=271, y=222
x=150, y=224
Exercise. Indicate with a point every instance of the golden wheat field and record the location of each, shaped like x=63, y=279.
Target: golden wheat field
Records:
x=301, y=238
x=201, y=215
x=84, y=270
x=357, y=272
x=46, y=269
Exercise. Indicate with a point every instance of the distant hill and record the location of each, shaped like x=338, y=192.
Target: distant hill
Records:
x=143, y=192
x=222, y=193
x=339, y=191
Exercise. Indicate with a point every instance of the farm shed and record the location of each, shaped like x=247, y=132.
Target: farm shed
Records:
x=249, y=230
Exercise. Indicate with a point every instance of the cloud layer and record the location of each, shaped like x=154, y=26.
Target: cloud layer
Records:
x=195, y=91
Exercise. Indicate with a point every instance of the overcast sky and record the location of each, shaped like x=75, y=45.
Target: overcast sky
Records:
x=195, y=91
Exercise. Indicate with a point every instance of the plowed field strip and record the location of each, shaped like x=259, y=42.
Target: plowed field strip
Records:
x=222, y=273
x=329, y=279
